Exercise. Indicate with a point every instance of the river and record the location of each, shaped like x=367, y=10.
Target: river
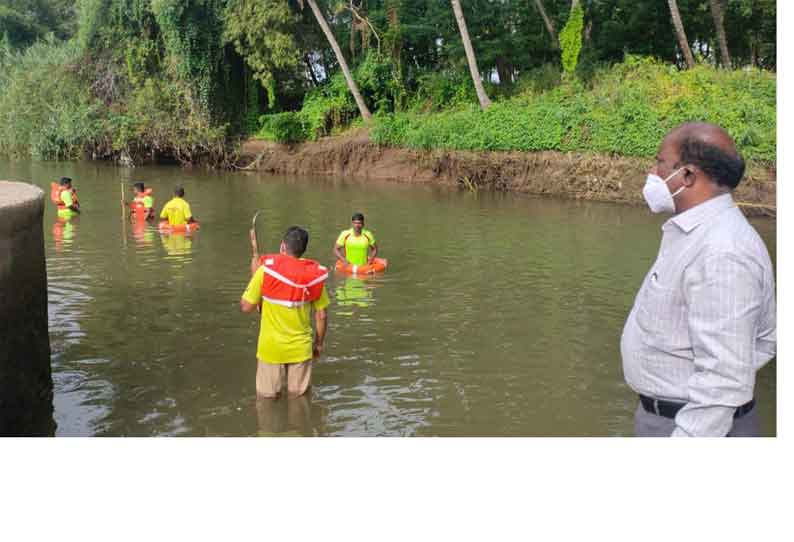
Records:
x=499, y=315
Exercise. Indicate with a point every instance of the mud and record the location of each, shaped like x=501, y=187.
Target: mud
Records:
x=585, y=176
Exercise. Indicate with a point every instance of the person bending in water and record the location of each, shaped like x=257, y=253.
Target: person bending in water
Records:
x=288, y=288
x=177, y=210
x=67, y=196
x=142, y=205
x=356, y=246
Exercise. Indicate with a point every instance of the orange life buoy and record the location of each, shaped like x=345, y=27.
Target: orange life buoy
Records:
x=165, y=227
x=377, y=266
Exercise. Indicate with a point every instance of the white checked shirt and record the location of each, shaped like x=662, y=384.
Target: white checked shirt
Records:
x=704, y=319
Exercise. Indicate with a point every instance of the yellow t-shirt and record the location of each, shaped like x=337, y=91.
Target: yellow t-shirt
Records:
x=285, y=333
x=356, y=246
x=66, y=198
x=177, y=211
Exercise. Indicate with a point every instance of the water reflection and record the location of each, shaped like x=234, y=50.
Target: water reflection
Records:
x=290, y=417
x=178, y=247
x=64, y=229
x=353, y=293
x=143, y=232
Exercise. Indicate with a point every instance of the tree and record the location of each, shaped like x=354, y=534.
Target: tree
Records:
x=25, y=21
x=263, y=33
x=362, y=107
x=485, y=101
x=680, y=34
x=549, y=24
x=717, y=14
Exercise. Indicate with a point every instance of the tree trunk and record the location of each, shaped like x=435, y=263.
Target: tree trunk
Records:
x=352, y=38
x=574, y=3
x=504, y=70
x=717, y=14
x=680, y=34
x=351, y=84
x=555, y=43
x=311, y=70
x=485, y=101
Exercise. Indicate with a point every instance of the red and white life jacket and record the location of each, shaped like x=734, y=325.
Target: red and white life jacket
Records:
x=291, y=282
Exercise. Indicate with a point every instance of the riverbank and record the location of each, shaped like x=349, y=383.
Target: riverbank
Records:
x=568, y=175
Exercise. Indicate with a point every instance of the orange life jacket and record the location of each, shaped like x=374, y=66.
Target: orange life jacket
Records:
x=291, y=282
x=137, y=203
x=55, y=195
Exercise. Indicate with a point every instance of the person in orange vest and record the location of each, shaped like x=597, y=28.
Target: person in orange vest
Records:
x=64, y=196
x=287, y=288
x=142, y=206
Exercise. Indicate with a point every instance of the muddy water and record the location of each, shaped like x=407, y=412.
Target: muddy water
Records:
x=499, y=315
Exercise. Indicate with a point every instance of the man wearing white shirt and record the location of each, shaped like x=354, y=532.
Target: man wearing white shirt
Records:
x=703, y=322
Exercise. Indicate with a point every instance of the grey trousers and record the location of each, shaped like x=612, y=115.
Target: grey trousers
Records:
x=648, y=424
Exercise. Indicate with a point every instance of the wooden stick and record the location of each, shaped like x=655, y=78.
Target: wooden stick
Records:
x=123, y=221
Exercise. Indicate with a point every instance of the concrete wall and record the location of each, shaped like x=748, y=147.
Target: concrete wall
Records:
x=25, y=373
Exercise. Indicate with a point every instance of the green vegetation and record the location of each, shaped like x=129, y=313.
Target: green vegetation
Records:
x=571, y=40
x=132, y=80
x=138, y=78
x=625, y=109
x=58, y=113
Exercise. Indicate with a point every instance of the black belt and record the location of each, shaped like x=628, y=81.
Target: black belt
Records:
x=669, y=409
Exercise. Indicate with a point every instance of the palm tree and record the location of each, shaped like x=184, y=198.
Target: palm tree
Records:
x=485, y=101
x=717, y=15
x=555, y=43
x=680, y=34
x=351, y=84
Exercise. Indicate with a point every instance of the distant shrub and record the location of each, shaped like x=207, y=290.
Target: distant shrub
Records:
x=282, y=127
x=45, y=109
x=48, y=111
x=439, y=90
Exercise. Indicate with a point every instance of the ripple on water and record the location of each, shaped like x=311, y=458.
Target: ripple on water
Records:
x=497, y=316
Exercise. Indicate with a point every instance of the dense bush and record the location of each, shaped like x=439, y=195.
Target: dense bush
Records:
x=331, y=106
x=139, y=79
x=45, y=109
x=627, y=111
x=282, y=127
x=62, y=100
x=324, y=108
x=48, y=111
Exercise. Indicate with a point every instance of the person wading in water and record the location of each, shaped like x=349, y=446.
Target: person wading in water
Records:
x=356, y=246
x=287, y=288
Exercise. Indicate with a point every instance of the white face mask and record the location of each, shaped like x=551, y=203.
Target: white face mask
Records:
x=658, y=196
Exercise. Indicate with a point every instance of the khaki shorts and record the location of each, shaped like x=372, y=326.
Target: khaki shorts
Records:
x=270, y=378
